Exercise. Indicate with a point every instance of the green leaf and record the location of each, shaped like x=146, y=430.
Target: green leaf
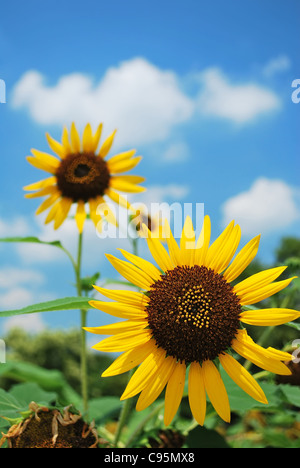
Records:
x=67, y=303
x=31, y=239
x=241, y=401
x=294, y=325
x=31, y=391
x=9, y=405
x=104, y=408
x=292, y=393
x=50, y=380
x=200, y=437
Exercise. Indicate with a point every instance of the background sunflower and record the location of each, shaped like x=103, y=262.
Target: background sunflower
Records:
x=81, y=175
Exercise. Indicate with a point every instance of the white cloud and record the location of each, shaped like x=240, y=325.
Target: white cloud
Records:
x=16, y=227
x=15, y=298
x=11, y=276
x=30, y=323
x=142, y=101
x=268, y=205
x=277, y=65
x=136, y=97
x=239, y=103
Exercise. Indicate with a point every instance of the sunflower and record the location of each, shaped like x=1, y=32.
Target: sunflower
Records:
x=81, y=175
x=187, y=320
x=140, y=216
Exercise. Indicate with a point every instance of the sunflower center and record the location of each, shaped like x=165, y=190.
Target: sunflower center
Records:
x=193, y=313
x=81, y=170
x=82, y=176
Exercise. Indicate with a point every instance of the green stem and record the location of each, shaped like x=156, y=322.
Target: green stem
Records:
x=140, y=426
x=83, y=315
x=123, y=415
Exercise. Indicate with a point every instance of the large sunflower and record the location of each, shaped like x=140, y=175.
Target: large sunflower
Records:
x=81, y=175
x=189, y=317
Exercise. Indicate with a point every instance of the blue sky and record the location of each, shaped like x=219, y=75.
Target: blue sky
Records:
x=201, y=89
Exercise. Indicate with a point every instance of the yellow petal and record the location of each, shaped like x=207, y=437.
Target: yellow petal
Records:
x=75, y=139
x=253, y=297
x=117, y=198
x=187, y=243
x=57, y=147
x=65, y=141
x=242, y=377
x=215, y=252
x=258, y=280
x=121, y=157
x=228, y=250
x=144, y=265
x=47, y=203
x=197, y=396
x=174, y=250
x=118, y=183
x=130, y=359
x=41, y=193
x=218, y=245
x=269, y=317
x=203, y=242
x=123, y=166
x=52, y=213
x=123, y=341
x=62, y=211
x=96, y=137
x=87, y=139
x=80, y=215
x=133, y=298
x=242, y=260
x=156, y=385
x=41, y=184
x=259, y=356
x=157, y=250
x=93, y=204
x=105, y=211
x=39, y=164
x=107, y=145
x=119, y=309
x=119, y=327
x=131, y=273
x=174, y=392
x=216, y=390
x=144, y=373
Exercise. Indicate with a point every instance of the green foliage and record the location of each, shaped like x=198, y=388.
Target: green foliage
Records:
x=59, y=352
x=67, y=303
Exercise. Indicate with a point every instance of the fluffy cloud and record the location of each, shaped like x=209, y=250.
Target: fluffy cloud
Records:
x=238, y=103
x=15, y=227
x=30, y=323
x=144, y=102
x=268, y=205
x=12, y=276
x=136, y=97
